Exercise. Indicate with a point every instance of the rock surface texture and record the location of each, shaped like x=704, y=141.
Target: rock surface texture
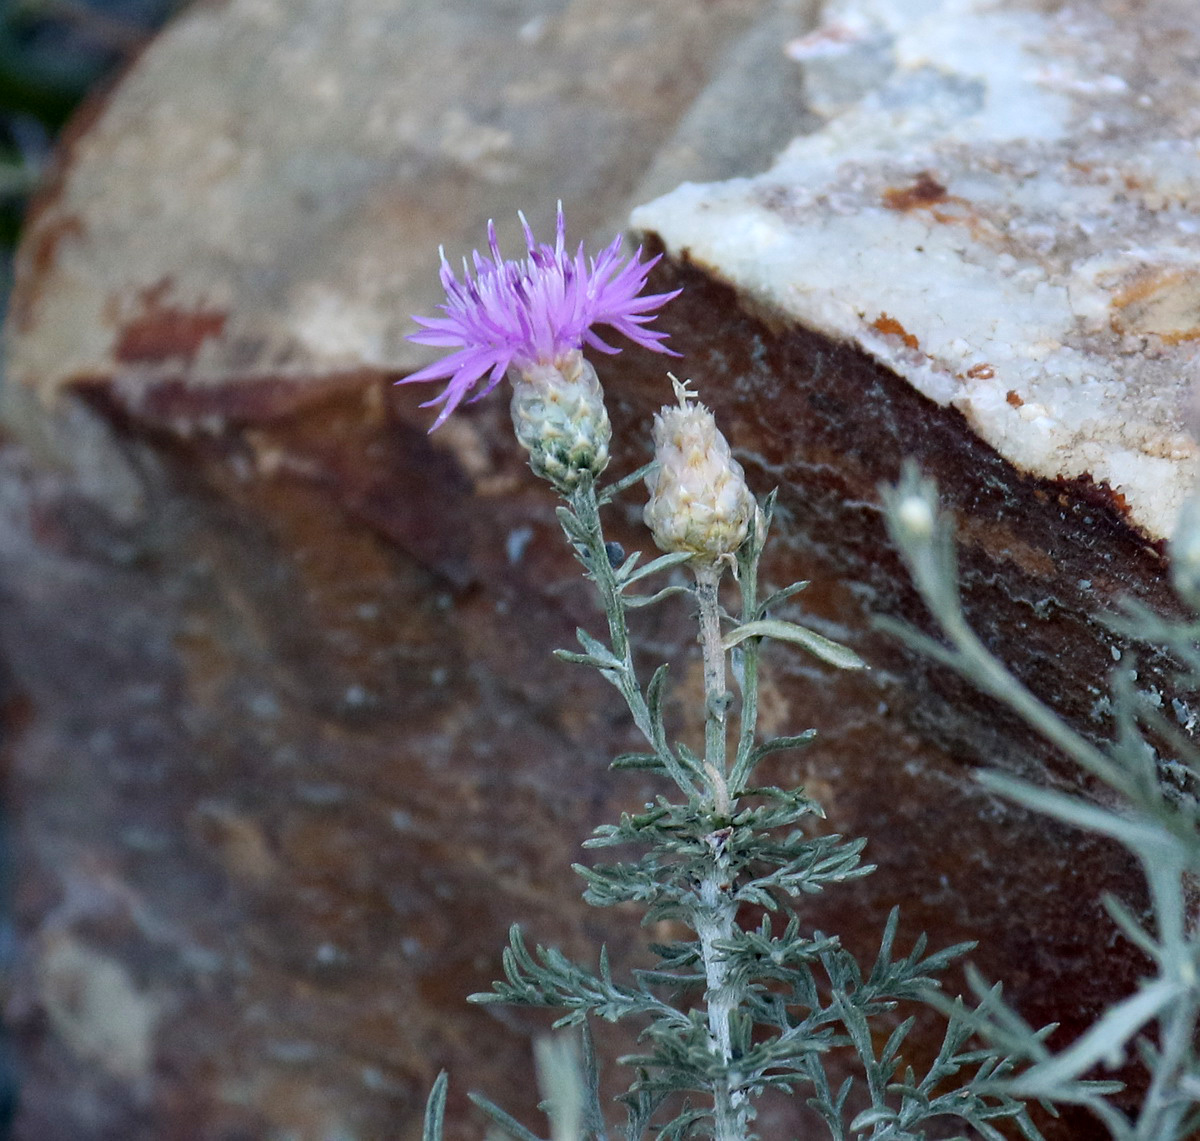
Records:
x=1001, y=209
x=286, y=751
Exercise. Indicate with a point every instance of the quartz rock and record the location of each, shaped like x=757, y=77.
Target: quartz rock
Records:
x=1000, y=207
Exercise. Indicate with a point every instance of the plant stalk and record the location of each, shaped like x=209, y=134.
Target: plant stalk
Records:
x=716, y=699
x=715, y=923
x=716, y=915
x=587, y=509
x=585, y=504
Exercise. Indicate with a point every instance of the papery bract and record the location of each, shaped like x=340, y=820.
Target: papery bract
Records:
x=699, y=501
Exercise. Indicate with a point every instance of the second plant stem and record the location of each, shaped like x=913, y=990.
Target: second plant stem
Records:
x=716, y=699
x=716, y=916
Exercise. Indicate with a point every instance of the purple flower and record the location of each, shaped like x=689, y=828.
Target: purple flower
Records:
x=515, y=314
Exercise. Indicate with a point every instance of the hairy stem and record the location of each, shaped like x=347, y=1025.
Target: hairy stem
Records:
x=586, y=506
x=716, y=699
x=715, y=922
x=587, y=509
x=716, y=915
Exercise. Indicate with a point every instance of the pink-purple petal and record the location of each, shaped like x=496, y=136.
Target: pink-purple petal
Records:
x=504, y=314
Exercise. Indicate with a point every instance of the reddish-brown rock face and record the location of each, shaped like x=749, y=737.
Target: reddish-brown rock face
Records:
x=287, y=751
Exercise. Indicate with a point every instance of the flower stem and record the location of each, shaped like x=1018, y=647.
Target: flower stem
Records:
x=715, y=923
x=716, y=699
x=716, y=916
x=585, y=505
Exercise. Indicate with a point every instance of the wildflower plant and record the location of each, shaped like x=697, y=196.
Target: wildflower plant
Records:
x=747, y=997
x=1149, y=770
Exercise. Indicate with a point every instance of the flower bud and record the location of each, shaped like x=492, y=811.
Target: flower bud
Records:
x=916, y=516
x=560, y=420
x=699, y=500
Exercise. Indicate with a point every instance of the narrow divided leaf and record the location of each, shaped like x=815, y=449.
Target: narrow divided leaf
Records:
x=435, y=1109
x=834, y=653
x=662, y=563
x=507, y=1124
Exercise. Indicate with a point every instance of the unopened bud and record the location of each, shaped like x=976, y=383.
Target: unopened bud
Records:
x=916, y=516
x=560, y=420
x=699, y=501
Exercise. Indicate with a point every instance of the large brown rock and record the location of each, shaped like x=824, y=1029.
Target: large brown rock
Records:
x=286, y=749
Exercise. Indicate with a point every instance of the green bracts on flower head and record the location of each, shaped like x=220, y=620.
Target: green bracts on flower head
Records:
x=560, y=420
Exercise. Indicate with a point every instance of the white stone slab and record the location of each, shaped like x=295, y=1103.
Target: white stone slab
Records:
x=1003, y=206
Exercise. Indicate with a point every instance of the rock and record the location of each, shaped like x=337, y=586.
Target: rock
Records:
x=999, y=208
x=261, y=202
x=287, y=750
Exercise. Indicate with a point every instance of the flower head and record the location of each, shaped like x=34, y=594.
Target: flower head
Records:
x=520, y=314
x=699, y=501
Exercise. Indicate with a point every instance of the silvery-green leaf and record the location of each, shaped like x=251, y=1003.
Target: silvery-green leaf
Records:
x=827, y=650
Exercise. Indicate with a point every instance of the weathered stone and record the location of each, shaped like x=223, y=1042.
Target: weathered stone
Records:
x=287, y=751
x=1000, y=207
x=300, y=754
x=264, y=196
x=246, y=749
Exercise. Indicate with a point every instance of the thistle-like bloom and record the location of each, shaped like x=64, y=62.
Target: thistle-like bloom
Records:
x=699, y=501
x=521, y=314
